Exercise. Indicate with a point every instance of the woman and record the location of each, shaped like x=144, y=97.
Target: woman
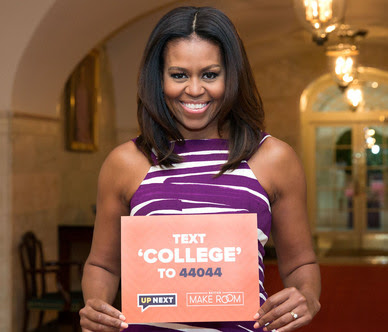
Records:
x=201, y=122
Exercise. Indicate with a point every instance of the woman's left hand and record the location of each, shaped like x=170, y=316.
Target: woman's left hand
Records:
x=286, y=311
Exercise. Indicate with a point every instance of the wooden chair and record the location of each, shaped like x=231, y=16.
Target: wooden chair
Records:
x=35, y=271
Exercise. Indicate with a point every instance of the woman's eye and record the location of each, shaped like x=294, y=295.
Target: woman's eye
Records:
x=210, y=75
x=178, y=76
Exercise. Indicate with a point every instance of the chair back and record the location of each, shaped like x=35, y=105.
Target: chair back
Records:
x=32, y=262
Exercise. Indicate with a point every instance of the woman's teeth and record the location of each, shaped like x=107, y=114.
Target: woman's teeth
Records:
x=195, y=106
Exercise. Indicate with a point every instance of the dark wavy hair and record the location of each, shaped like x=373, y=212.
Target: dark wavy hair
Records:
x=241, y=108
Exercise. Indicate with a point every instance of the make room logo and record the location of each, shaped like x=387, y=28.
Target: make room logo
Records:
x=156, y=300
x=204, y=299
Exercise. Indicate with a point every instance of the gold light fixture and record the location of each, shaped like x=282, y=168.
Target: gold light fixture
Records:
x=354, y=95
x=343, y=63
x=320, y=16
x=318, y=11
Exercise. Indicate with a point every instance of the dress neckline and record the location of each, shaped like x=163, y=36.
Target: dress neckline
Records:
x=202, y=139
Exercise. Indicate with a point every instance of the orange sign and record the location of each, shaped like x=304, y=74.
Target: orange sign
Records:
x=187, y=268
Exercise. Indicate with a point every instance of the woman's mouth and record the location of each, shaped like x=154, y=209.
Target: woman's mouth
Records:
x=195, y=107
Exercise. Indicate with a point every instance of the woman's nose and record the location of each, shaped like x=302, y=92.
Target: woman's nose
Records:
x=194, y=87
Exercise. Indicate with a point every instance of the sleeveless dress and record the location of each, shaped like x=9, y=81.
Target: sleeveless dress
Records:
x=190, y=187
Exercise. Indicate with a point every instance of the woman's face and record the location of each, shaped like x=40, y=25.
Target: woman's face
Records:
x=194, y=85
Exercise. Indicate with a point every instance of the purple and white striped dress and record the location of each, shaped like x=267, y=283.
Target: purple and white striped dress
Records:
x=190, y=187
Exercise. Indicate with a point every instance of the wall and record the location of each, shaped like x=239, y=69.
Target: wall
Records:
x=344, y=290
x=16, y=31
x=5, y=226
x=50, y=185
x=281, y=81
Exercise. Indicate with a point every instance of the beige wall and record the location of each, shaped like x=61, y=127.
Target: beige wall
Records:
x=15, y=33
x=281, y=81
x=36, y=182
x=52, y=186
x=5, y=225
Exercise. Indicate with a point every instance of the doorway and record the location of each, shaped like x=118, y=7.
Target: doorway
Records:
x=345, y=152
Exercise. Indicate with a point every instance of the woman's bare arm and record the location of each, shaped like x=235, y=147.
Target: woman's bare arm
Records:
x=282, y=176
x=120, y=176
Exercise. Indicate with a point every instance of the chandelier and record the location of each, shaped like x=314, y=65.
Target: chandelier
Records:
x=354, y=95
x=343, y=63
x=321, y=17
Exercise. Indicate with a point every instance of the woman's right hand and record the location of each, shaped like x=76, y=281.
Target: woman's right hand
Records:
x=98, y=315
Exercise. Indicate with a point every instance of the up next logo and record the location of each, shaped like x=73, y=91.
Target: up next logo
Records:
x=156, y=300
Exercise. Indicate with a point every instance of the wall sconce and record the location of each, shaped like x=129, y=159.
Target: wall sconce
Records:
x=320, y=16
x=343, y=63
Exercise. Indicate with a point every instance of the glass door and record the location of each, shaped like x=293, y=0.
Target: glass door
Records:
x=345, y=154
x=376, y=150
x=351, y=173
x=333, y=174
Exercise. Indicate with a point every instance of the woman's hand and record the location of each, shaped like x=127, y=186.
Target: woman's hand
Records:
x=98, y=315
x=286, y=311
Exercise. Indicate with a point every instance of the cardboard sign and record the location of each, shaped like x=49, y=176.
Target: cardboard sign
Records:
x=189, y=268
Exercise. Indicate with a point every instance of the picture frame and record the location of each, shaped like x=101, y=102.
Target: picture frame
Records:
x=81, y=112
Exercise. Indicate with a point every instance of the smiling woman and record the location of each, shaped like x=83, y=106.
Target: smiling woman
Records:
x=194, y=85
x=205, y=32
x=202, y=150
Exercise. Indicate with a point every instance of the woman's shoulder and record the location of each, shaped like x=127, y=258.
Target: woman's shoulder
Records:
x=126, y=154
x=123, y=170
x=125, y=160
x=273, y=151
x=275, y=163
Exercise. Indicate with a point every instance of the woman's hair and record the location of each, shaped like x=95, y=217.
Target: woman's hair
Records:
x=241, y=109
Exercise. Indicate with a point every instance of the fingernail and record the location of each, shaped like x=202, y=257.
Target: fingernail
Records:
x=256, y=316
x=124, y=325
x=256, y=325
x=122, y=317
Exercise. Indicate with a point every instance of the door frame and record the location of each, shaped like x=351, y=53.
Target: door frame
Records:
x=357, y=238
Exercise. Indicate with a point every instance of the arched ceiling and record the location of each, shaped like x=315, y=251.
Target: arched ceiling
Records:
x=64, y=31
x=17, y=25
